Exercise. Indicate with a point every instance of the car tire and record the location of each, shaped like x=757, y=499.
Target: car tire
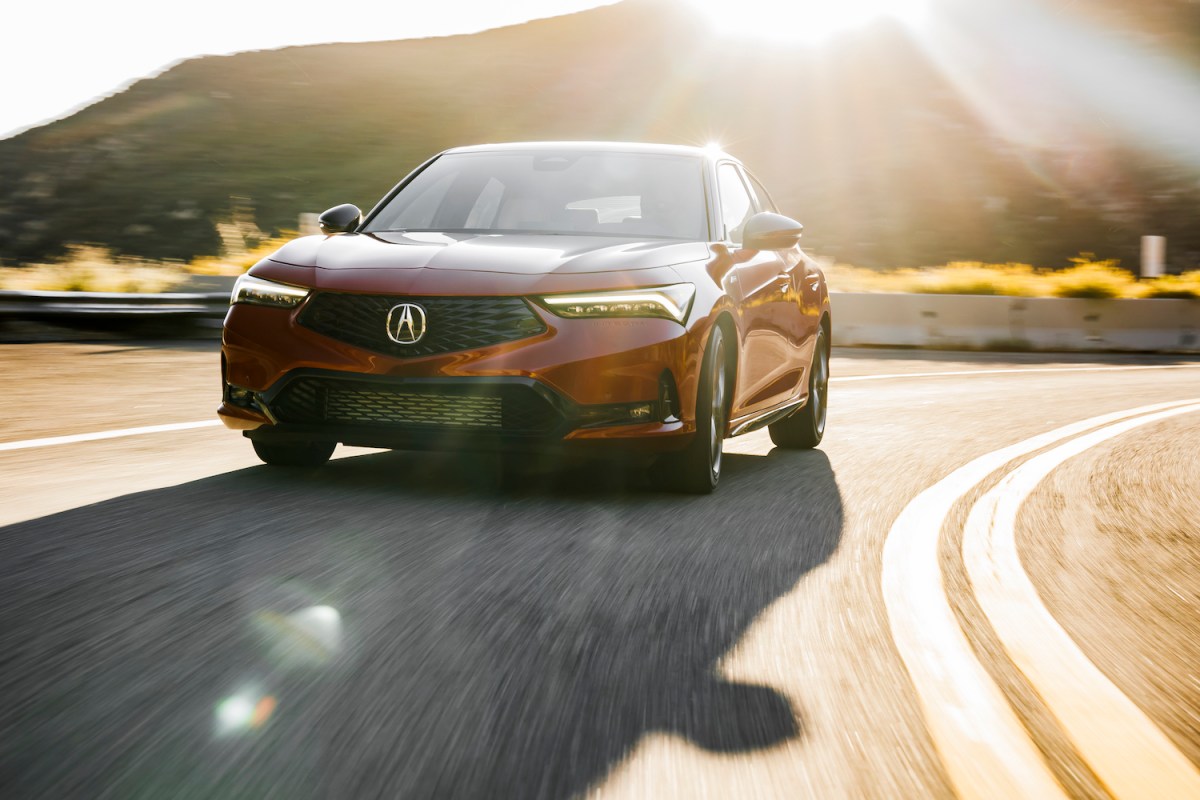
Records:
x=804, y=429
x=697, y=468
x=294, y=454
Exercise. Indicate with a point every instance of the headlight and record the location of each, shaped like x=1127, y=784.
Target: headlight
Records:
x=259, y=292
x=668, y=302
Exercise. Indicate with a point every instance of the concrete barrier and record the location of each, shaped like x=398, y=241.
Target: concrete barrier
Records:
x=970, y=322
x=1015, y=323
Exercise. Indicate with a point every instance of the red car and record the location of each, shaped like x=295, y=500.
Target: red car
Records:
x=565, y=296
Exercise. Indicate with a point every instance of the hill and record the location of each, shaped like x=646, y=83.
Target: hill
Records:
x=888, y=153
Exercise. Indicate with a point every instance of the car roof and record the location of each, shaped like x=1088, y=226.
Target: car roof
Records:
x=608, y=147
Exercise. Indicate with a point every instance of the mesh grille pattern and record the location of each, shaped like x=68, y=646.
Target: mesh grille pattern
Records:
x=452, y=323
x=414, y=409
x=500, y=408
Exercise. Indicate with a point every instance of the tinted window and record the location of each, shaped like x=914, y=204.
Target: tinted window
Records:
x=736, y=206
x=620, y=194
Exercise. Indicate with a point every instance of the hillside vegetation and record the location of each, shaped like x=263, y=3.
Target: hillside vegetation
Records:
x=869, y=140
x=1085, y=278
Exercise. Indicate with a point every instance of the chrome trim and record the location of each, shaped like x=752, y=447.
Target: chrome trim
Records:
x=261, y=406
x=763, y=418
x=411, y=315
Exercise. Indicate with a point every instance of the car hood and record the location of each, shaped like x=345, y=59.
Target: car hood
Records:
x=516, y=254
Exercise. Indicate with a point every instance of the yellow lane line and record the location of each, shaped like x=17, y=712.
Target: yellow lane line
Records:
x=984, y=747
x=1125, y=749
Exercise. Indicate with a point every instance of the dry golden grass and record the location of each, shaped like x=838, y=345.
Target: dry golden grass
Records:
x=1094, y=279
x=1185, y=286
x=89, y=268
x=93, y=269
x=1085, y=278
x=236, y=264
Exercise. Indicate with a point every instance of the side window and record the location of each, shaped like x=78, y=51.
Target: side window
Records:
x=764, y=200
x=736, y=205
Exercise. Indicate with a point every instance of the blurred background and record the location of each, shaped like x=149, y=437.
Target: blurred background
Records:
x=904, y=134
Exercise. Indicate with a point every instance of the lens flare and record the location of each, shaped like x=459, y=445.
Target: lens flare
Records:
x=1047, y=78
x=245, y=711
x=810, y=21
x=310, y=636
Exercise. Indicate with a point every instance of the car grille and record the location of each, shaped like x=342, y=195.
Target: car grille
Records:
x=451, y=323
x=501, y=408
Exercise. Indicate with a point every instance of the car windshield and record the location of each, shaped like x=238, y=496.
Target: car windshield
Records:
x=631, y=195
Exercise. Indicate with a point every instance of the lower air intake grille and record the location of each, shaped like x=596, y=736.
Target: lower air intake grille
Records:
x=413, y=409
x=500, y=408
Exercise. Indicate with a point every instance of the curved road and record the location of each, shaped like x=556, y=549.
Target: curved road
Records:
x=983, y=584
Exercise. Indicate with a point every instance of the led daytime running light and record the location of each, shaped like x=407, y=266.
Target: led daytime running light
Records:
x=670, y=302
x=259, y=292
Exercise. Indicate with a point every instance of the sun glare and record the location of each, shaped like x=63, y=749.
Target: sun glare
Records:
x=805, y=20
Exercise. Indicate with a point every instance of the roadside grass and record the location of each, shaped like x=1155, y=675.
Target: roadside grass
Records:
x=237, y=263
x=1086, y=277
x=1185, y=286
x=89, y=268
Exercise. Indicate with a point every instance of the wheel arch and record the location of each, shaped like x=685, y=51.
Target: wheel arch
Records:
x=728, y=327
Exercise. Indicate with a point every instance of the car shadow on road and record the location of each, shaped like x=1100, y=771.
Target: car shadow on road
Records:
x=489, y=642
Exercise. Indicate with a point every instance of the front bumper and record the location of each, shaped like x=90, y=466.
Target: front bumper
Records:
x=578, y=382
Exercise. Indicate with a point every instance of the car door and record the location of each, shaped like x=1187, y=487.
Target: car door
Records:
x=762, y=282
x=798, y=308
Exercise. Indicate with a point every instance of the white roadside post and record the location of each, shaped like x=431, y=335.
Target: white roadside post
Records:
x=1154, y=252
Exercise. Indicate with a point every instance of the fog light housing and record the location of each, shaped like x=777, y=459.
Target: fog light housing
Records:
x=248, y=399
x=618, y=414
x=238, y=396
x=642, y=412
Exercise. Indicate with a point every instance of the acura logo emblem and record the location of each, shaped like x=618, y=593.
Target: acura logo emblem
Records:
x=406, y=323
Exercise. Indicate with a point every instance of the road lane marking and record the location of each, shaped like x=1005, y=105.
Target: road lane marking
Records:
x=984, y=747
x=1012, y=371
x=1123, y=747
x=98, y=435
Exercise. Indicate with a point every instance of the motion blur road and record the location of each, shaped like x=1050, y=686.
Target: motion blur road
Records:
x=177, y=620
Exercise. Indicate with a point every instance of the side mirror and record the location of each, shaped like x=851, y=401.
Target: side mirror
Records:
x=340, y=219
x=767, y=231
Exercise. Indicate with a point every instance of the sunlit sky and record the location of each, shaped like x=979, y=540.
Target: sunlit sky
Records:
x=57, y=56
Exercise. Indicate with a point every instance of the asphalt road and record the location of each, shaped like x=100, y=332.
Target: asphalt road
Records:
x=179, y=621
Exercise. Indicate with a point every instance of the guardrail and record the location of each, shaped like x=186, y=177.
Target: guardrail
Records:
x=206, y=309
x=976, y=322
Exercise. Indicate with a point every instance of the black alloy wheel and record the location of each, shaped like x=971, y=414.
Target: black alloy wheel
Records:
x=697, y=468
x=805, y=428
